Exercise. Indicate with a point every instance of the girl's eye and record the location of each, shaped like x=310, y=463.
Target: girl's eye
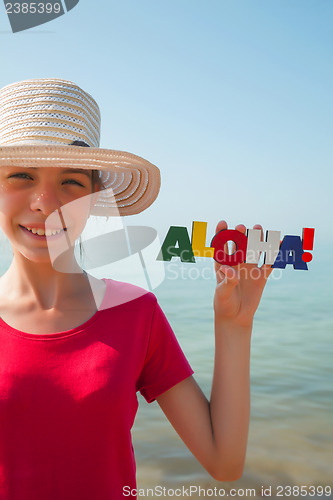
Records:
x=21, y=175
x=70, y=181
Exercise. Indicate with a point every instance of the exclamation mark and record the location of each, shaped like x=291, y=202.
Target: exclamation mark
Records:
x=307, y=240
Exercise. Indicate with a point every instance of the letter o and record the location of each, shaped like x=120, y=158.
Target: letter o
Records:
x=219, y=241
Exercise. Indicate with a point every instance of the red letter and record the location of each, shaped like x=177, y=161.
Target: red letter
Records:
x=219, y=241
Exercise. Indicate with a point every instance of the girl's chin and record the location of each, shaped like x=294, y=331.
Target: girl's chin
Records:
x=42, y=256
x=38, y=257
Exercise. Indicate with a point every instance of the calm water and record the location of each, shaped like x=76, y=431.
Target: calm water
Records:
x=291, y=429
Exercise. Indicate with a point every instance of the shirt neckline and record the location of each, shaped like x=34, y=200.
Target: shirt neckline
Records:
x=58, y=335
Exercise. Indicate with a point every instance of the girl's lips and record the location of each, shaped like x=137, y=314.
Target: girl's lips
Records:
x=43, y=237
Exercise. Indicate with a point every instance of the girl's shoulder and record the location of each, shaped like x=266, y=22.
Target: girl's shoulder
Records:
x=122, y=293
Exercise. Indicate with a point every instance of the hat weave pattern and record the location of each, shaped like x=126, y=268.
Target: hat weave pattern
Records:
x=39, y=121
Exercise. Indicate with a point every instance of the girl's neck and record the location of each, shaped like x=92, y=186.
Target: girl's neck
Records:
x=40, y=284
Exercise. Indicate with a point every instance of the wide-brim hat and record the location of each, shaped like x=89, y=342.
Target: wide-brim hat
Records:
x=39, y=122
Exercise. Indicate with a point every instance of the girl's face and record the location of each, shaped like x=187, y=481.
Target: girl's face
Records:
x=47, y=200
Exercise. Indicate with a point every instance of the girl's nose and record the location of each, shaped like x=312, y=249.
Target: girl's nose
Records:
x=45, y=200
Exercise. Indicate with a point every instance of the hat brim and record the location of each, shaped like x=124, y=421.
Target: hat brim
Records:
x=135, y=182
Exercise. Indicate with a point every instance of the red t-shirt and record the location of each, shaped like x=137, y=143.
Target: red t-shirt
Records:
x=68, y=399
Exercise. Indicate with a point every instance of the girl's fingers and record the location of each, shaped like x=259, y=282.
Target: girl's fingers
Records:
x=224, y=272
x=229, y=273
x=241, y=228
x=258, y=226
x=221, y=226
x=266, y=270
x=218, y=271
x=228, y=279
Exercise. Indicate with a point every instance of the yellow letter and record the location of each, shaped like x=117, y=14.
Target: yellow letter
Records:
x=199, y=231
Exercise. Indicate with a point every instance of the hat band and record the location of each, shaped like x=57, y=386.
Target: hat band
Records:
x=79, y=143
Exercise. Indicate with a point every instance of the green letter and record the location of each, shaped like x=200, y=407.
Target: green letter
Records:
x=184, y=249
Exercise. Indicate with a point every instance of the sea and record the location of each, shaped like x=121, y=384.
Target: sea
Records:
x=290, y=444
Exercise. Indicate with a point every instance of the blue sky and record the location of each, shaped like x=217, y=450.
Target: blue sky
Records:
x=232, y=100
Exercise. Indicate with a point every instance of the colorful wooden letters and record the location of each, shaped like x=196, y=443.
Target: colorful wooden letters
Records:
x=248, y=247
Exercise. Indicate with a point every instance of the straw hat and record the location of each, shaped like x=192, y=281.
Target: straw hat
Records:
x=39, y=122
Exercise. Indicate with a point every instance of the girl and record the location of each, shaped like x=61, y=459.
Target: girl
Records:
x=75, y=350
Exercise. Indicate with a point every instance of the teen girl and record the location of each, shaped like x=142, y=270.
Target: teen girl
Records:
x=74, y=350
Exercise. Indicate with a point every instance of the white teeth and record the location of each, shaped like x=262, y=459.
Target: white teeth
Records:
x=41, y=232
x=48, y=232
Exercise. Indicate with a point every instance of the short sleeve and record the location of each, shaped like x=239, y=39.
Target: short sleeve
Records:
x=165, y=363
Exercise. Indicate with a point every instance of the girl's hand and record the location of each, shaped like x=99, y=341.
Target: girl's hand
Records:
x=239, y=289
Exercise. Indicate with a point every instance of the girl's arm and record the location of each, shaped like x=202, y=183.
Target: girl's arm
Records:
x=216, y=431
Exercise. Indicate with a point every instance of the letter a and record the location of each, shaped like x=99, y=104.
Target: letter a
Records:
x=291, y=251
x=184, y=250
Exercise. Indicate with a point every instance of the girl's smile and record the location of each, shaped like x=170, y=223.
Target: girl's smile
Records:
x=41, y=206
x=40, y=233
